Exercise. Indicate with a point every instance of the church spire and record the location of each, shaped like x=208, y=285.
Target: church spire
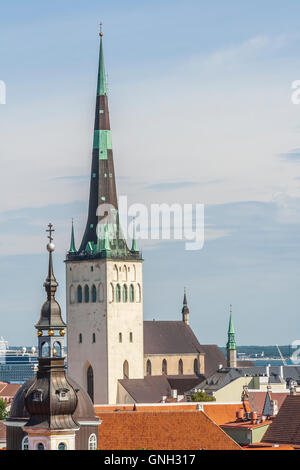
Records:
x=185, y=310
x=72, y=244
x=231, y=344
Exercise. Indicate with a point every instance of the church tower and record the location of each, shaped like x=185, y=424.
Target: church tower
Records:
x=231, y=345
x=104, y=279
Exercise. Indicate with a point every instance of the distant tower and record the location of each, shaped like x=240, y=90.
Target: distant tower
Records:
x=231, y=345
x=104, y=279
x=51, y=400
x=185, y=310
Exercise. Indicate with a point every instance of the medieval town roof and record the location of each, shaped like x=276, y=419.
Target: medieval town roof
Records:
x=169, y=337
x=285, y=429
x=161, y=430
x=257, y=399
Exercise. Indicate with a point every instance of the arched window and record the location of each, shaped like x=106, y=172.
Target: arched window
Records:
x=115, y=274
x=45, y=349
x=138, y=293
x=94, y=293
x=62, y=446
x=124, y=294
x=180, y=367
x=126, y=370
x=196, y=367
x=40, y=446
x=111, y=293
x=148, y=367
x=101, y=292
x=133, y=273
x=120, y=337
x=92, y=444
x=131, y=293
x=25, y=445
x=124, y=273
x=57, y=350
x=94, y=338
x=118, y=293
x=90, y=383
x=80, y=338
x=86, y=294
x=164, y=367
x=130, y=337
x=79, y=294
x=72, y=295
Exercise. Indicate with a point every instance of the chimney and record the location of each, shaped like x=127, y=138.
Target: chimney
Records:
x=174, y=393
x=281, y=371
x=163, y=399
x=268, y=370
x=274, y=407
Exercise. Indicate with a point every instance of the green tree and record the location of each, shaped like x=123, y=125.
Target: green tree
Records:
x=202, y=396
x=3, y=409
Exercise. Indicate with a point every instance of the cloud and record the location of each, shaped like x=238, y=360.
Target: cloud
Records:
x=291, y=156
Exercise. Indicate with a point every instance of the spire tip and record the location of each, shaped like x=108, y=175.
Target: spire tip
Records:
x=101, y=32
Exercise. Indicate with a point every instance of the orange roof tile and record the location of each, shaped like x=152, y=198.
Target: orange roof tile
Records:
x=161, y=430
x=222, y=413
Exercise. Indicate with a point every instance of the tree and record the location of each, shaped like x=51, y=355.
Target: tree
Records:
x=202, y=396
x=3, y=409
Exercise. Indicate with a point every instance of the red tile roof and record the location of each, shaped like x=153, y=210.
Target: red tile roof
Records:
x=257, y=399
x=285, y=429
x=161, y=430
x=222, y=413
x=8, y=391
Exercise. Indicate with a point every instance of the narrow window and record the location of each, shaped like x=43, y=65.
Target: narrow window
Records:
x=40, y=446
x=57, y=349
x=80, y=338
x=124, y=293
x=148, y=367
x=118, y=293
x=92, y=445
x=90, y=383
x=25, y=445
x=164, y=367
x=94, y=338
x=131, y=293
x=130, y=337
x=180, y=367
x=79, y=294
x=86, y=294
x=120, y=337
x=94, y=294
x=196, y=367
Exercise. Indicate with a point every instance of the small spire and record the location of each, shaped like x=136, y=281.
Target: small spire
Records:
x=134, y=246
x=231, y=333
x=72, y=245
x=184, y=298
x=185, y=310
x=106, y=244
x=101, y=87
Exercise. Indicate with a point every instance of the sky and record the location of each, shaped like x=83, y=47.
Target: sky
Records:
x=201, y=112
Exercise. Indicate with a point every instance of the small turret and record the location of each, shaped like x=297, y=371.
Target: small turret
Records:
x=231, y=344
x=72, y=244
x=185, y=310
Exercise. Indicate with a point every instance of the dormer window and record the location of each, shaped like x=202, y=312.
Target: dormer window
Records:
x=62, y=394
x=37, y=395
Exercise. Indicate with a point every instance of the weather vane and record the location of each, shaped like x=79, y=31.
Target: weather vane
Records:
x=101, y=33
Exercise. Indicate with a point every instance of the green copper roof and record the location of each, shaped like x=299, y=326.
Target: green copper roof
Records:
x=106, y=245
x=231, y=344
x=101, y=87
x=134, y=246
x=72, y=245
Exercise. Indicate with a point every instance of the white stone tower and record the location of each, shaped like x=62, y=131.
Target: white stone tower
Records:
x=104, y=279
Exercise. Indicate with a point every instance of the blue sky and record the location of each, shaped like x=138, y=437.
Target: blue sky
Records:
x=200, y=104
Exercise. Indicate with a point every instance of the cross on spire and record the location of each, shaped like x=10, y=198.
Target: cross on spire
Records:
x=101, y=32
x=50, y=230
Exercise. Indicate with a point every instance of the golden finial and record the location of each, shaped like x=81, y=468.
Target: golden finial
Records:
x=101, y=33
x=230, y=308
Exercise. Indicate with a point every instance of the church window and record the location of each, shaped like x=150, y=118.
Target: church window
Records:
x=126, y=370
x=79, y=294
x=92, y=268
x=196, y=367
x=92, y=444
x=40, y=446
x=94, y=338
x=94, y=294
x=120, y=337
x=138, y=293
x=130, y=337
x=57, y=350
x=90, y=383
x=118, y=293
x=124, y=273
x=45, y=349
x=62, y=446
x=164, y=368
x=80, y=338
x=148, y=367
x=131, y=293
x=101, y=292
x=86, y=294
x=25, y=445
x=180, y=367
x=125, y=293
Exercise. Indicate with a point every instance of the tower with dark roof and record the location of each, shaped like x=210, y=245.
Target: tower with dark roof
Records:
x=104, y=278
x=43, y=414
x=231, y=344
x=185, y=310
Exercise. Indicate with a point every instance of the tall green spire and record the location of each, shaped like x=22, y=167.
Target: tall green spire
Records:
x=101, y=87
x=72, y=245
x=231, y=344
x=106, y=244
